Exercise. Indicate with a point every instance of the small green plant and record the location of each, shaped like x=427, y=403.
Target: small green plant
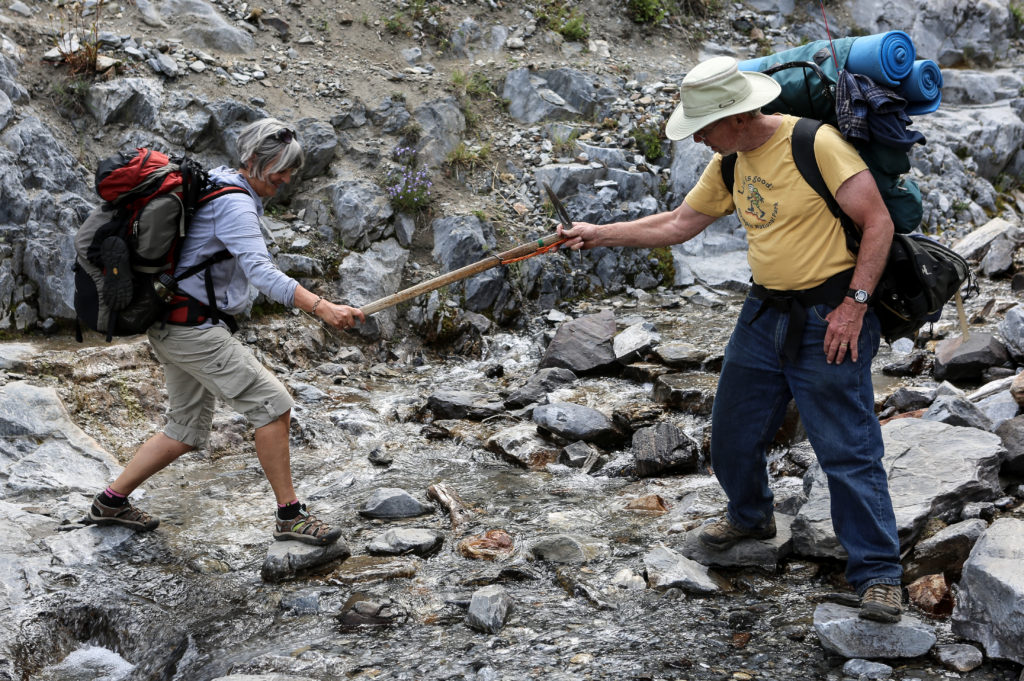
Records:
x=649, y=11
x=407, y=187
x=1017, y=12
x=648, y=141
x=467, y=157
x=77, y=38
x=564, y=20
x=396, y=24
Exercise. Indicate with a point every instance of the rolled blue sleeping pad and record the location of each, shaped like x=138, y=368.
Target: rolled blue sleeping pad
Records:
x=886, y=58
x=922, y=88
x=809, y=52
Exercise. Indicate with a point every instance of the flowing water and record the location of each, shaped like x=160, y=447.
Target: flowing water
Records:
x=186, y=602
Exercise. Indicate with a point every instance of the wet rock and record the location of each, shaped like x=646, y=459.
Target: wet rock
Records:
x=392, y=502
x=521, y=445
x=910, y=398
x=766, y=554
x=581, y=455
x=957, y=411
x=401, y=540
x=90, y=545
x=991, y=594
x=491, y=545
x=583, y=345
x=865, y=670
x=644, y=372
x=489, y=609
x=360, y=611
x=463, y=404
x=565, y=548
x=650, y=503
x=945, y=551
x=538, y=386
x=932, y=594
x=985, y=510
x=684, y=393
x=911, y=364
x=933, y=468
x=628, y=580
x=840, y=630
x=680, y=355
x=960, y=657
x=635, y=342
x=957, y=359
x=574, y=422
x=263, y=677
x=288, y=559
x=662, y=449
x=667, y=569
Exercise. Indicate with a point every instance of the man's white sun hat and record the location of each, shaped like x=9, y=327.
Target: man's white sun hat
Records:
x=715, y=89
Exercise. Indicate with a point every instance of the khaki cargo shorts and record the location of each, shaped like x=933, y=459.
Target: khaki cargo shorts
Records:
x=201, y=365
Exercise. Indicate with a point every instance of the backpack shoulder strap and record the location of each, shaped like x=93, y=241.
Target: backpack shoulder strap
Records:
x=729, y=171
x=806, y=162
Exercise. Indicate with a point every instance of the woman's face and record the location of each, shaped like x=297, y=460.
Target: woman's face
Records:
x=268, y=187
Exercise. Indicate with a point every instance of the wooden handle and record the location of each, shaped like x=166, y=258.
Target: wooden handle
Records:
x=459, y=274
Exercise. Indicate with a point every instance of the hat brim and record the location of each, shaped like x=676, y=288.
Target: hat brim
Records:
x=763, y=90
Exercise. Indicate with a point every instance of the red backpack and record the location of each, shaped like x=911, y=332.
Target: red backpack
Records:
x=128, y=247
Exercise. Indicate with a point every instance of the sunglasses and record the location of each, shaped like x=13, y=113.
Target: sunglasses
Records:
x=284, y=136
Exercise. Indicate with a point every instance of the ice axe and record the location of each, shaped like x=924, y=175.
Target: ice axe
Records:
x=521, y=252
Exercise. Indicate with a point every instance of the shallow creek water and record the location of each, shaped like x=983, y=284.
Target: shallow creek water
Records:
x=186, y=602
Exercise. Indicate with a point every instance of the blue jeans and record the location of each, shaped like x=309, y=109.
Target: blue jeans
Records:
x=836, y=405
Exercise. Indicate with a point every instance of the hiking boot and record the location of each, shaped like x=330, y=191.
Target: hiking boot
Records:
x=117, y=273
x=882, y=603
x=306, y=528
x=722, y=534
x=126, y=515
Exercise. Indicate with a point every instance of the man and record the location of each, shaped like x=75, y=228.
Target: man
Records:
x=805, y=332
x=203, y=362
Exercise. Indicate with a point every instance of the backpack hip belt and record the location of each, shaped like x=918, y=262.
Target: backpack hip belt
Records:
x=795, y=303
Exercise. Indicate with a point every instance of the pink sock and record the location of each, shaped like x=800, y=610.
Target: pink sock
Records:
x=115, y=495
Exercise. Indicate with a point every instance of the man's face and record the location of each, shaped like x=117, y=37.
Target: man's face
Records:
x=719, y=136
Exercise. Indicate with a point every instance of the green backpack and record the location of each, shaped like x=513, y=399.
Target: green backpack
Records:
x=808, y=91
x=921, y=275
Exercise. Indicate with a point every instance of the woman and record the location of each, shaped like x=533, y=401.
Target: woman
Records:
x=202, y=360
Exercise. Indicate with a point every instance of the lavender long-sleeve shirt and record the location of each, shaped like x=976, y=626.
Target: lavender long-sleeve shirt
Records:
x=232, y=221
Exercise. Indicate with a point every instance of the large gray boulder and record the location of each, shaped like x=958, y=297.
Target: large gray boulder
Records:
x=934, y=469
x=42, y=450
x=948, y=33
x=990, y=599
x=200, y=23
x=369, y=276
x=841, y=630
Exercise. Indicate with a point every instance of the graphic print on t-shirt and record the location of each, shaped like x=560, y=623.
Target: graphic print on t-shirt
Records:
x=756, y=211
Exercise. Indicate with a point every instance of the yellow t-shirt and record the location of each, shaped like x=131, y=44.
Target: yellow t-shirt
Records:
x=794, y=242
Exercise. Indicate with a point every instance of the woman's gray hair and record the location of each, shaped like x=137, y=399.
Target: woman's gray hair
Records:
x=270, y=146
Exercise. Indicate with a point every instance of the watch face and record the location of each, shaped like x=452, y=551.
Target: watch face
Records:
x=861, y=296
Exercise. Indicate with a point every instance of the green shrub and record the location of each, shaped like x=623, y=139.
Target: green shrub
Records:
x=648, y=11
x=564, y=20
x=648, y=141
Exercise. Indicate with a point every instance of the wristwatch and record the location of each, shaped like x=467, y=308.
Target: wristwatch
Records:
x=859, y=295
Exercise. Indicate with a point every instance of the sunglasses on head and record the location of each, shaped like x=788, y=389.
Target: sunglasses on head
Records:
x=284, y=135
